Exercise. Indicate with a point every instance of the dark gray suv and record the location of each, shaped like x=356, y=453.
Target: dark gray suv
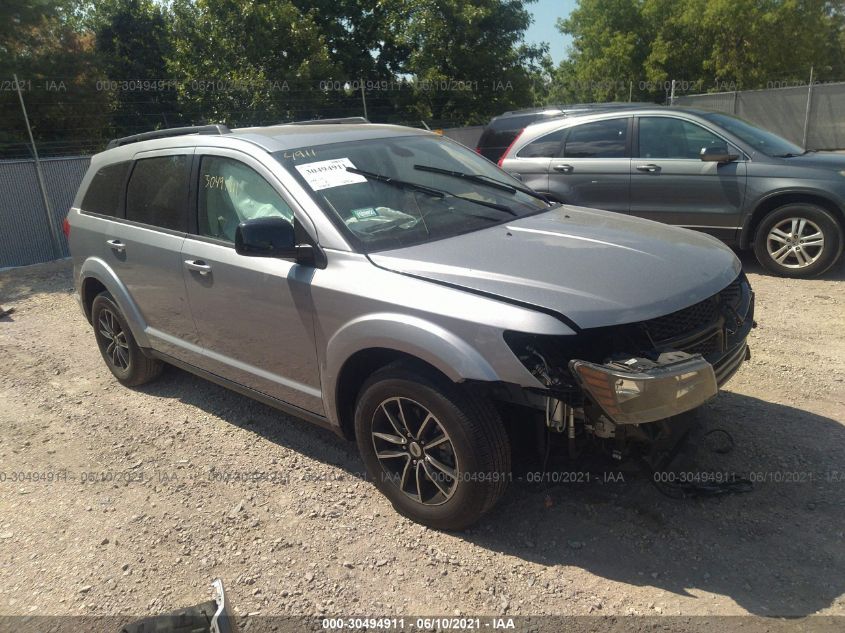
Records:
x=702, y=170
x=399, y=289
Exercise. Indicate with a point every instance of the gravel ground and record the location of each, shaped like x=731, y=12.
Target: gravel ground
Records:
x=152, y=504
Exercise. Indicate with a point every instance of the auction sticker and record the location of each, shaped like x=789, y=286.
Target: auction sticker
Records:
x=329, y=173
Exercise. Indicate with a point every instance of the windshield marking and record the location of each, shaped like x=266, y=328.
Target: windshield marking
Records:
x=325, y=174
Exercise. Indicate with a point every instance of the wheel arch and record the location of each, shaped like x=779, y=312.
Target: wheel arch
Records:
x=780, y=198
x=361, y=366
x=96, y=276
x=369, y=343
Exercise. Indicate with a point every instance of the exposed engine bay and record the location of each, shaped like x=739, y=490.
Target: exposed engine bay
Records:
x=625, y=386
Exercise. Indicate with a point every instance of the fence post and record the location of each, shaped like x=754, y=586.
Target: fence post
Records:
x=807, y=113
x=54, y=236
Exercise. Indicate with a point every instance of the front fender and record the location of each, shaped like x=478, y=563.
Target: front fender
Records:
x=96, y=268
x=411, y=335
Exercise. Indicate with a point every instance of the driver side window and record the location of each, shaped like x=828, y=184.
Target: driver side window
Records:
x=666, y=137
x=229, y=193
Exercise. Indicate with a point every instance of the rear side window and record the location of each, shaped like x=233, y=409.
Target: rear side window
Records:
x=103, y=195
x=601, y=139
x=158, y=192
x=547, y=146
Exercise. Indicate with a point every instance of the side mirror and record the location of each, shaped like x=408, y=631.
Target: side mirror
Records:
x=717, y=155
x=266, y=237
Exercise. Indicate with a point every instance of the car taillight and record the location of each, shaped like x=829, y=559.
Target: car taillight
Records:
x=66, y=228
x=516, y=138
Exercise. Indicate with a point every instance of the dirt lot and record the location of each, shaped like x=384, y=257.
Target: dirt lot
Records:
x=310, y=537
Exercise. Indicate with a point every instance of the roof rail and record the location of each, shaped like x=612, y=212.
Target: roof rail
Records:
x=348, y=119
x=167, y=132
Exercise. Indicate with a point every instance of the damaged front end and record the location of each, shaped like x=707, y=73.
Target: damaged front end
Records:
x=626, y=383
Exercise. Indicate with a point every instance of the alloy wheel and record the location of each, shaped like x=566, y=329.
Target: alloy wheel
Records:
x=795, y=242
x=117, y=348
x=415, y=451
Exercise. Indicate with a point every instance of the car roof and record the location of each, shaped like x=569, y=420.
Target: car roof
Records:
x=273, y=138
x=540, y=127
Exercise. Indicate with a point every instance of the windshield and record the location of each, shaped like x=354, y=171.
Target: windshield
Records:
x=398, y=191
x=762, y=140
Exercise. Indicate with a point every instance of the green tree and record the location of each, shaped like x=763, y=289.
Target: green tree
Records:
x=622, y=47
x=132, y=45
x=246, y=61
x=609, y=45
x=44, y=45
x=468, y=60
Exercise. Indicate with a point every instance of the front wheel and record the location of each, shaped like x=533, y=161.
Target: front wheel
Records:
x=798, y=240
x=436, y=450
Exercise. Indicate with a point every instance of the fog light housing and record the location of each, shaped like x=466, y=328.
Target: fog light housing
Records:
x=637, y=390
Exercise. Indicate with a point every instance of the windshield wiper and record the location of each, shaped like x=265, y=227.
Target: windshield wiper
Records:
x=437, y=193
x=404, y=184
x=792, y=155
x=483, y=179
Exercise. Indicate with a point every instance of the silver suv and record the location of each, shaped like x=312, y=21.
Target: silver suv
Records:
x=399, y=289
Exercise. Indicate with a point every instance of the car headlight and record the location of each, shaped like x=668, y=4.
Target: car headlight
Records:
x=637, y=391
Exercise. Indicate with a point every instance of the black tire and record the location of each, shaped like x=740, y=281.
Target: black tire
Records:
x=800, y=260
x=121, y=353
x=475, y=438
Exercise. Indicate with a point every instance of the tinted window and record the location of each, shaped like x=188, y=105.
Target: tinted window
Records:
x=663, y=137
x=602, y=139
x=103, y=195
x=229, y=193
x=547, y=146
x=760, y=139
x=158, y=192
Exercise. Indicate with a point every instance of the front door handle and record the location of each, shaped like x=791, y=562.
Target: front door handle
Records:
x=198, y=265
x=649, y=168
x=563, y=168
x=116, y=245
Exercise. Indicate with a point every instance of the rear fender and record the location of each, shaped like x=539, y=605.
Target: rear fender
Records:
x=96, y=268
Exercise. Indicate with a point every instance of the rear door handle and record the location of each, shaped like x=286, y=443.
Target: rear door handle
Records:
x=116, y=245
x=649, y=168
x=563, y=168
x=198, y=265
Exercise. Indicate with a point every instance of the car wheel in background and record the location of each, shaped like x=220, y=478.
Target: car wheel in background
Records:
x=798, y=240
x=436, y=450
x=117, y=345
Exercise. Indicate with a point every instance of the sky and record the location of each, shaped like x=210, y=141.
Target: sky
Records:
x=542, y=29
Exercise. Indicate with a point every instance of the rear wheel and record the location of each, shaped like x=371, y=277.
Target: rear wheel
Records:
x=436, y=450
x=117, y=345
x=798, y=240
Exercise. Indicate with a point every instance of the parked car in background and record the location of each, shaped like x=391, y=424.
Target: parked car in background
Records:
x=393, y=286
x=501, y=131
x=702, y=170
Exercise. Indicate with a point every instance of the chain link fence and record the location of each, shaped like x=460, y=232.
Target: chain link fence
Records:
x=812, y=116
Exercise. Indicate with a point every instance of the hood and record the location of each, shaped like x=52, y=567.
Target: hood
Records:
x=822, y=160
x=597, y=268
